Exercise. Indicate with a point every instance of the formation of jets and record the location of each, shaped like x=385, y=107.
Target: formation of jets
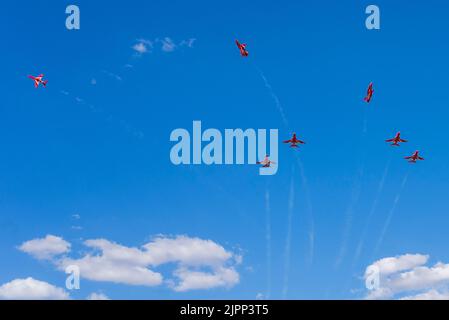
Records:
x=38, y=80
x=293, y=141
x=395, y=142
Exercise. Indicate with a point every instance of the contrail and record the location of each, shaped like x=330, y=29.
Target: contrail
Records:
x=349, y=213
x=291, y=204
x=371, y=213
x=106, y=116
x=301, y=167
x=365, y=122
x=309, y=208
x=300, y=164
x=275, y=98
x=390, y=214
x=354, y=198
x=268, y=240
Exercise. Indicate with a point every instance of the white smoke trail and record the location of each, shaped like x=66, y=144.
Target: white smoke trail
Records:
x=281, y=111
x=349, y=213
x=291, y=205
x=275, y=98
x=390, y=214
x=309, y=208
x=371, y=213
x=268, y=240
x=365, y=122
x=300, y=164
x=354, y=198
x=130, y=129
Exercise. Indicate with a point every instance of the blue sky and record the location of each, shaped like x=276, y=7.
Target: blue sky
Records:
x=100, y=149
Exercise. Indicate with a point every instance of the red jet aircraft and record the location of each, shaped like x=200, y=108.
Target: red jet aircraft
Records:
x=242, y=48
x=415, y=157
x=294, y=141
x=38, y=80
x=369, y=93
x=396, y=140
x=266, y=163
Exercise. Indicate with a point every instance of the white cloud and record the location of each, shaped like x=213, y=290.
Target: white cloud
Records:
x=97, y=296
x=396, y=264
x=46, y=248
x=187, y=251
x=260, y=296
x=429, y=295
x=143, y=46
x=188, y=43
x=102, y=268
x=198, y=263
x=31, y=289
x=140, y=48
x=407, y=274
x=380, y=294
x=112, y=75
x=194, y=280
x=146, y=42
x=168, y=45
